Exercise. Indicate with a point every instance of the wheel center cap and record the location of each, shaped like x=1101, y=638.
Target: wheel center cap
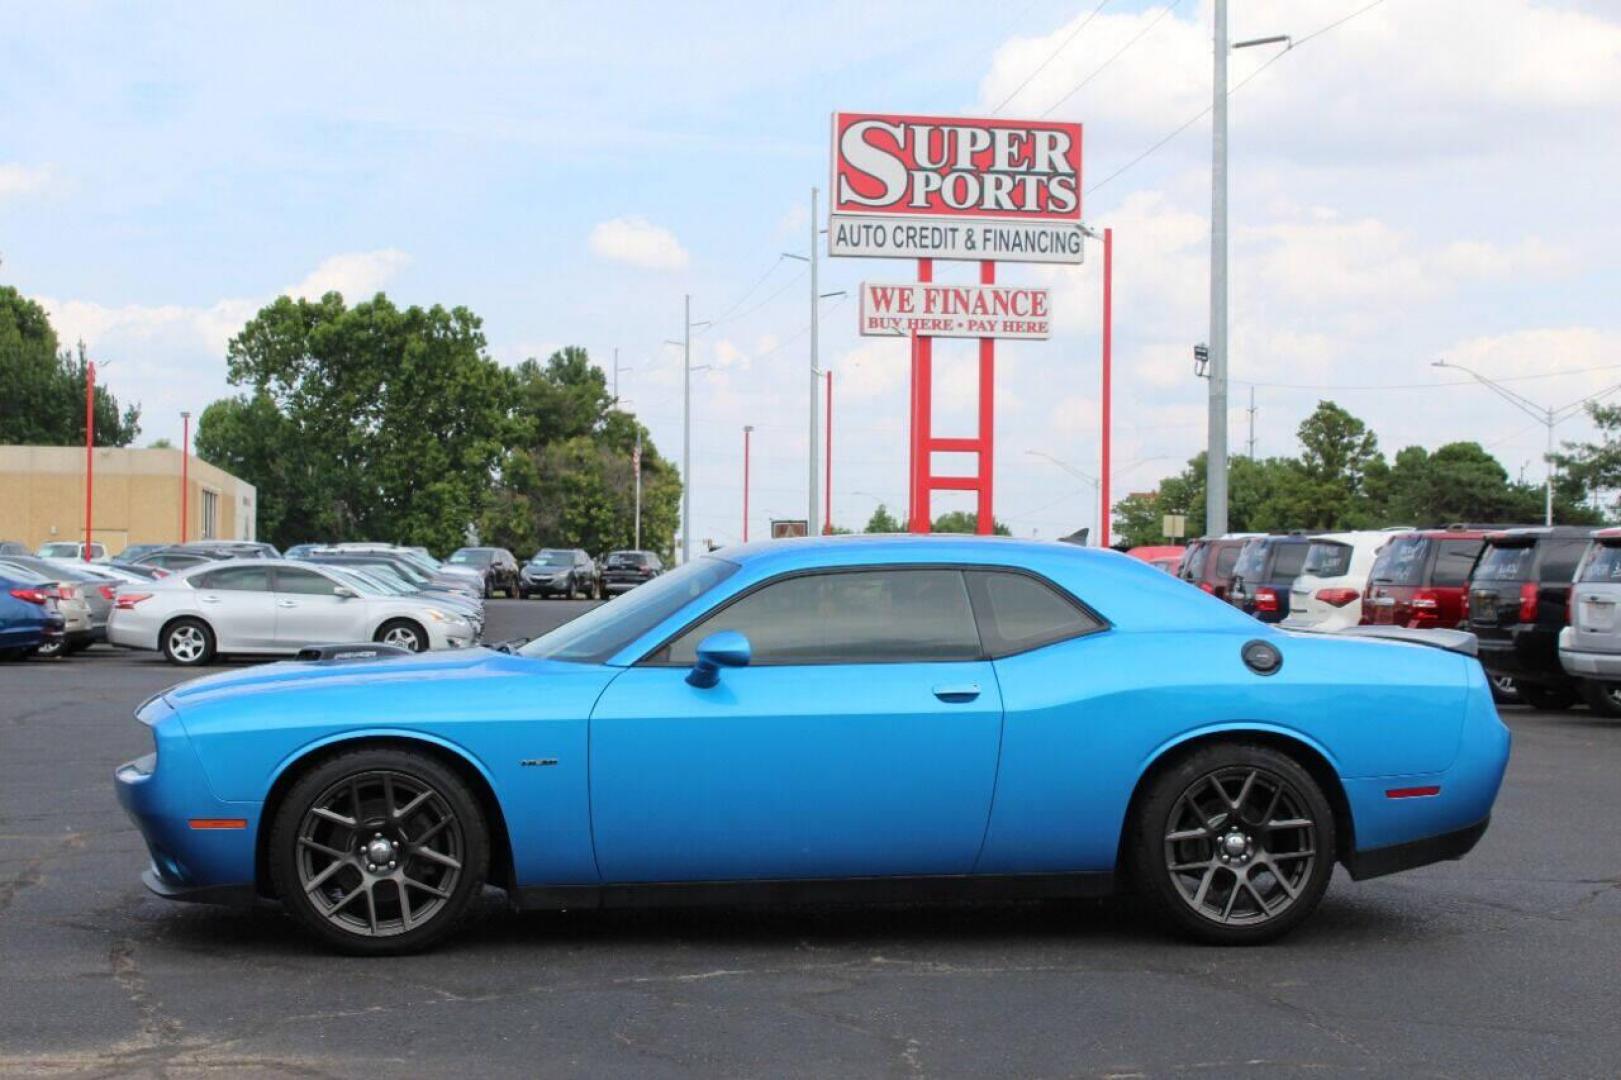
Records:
x=379, y=851
x=1235, y=844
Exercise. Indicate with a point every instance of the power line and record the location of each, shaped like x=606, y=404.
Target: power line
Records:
x=1172, y=6
x=1422, y=385
x=1235, y=89
x=1062, y=45
x=756, y=307
x=746, y=293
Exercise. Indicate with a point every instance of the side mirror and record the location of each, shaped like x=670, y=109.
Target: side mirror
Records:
x=725, y=649
x=344, y=592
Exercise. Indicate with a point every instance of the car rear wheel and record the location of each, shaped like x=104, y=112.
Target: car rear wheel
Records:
x=1603, y=698
x=1550, y=698
x=188, y=643
x=1504, y=690
x=404, y=633
x=1234, y=844
x=379, y=851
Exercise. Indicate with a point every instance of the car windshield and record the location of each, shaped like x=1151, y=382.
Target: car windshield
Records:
x=1506, y=563
x=473, y=557
x=59, y=551
x=626, y=558
x=1327, y=558
x=553, y=558
x=1400, y=562
x=360, y=583
x=601, y=632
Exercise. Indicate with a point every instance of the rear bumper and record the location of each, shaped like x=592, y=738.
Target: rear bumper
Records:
x=1590, y=665
x=1378, y=862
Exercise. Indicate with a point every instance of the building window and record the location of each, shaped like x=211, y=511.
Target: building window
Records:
x=211, y=514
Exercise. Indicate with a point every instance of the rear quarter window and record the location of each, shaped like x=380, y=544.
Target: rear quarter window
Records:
x=1558, y=558
x=1454, y=561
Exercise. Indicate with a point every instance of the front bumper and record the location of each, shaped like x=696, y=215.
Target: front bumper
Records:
x=543, y=586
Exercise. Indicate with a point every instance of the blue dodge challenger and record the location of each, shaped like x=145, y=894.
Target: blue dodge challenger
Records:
x=856, y=718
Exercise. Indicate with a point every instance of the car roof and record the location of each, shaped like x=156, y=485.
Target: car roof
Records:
x=1533, y=533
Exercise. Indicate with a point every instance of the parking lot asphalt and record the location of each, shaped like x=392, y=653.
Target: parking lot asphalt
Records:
x=1505, y=964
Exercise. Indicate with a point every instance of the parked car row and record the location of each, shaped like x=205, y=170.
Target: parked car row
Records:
x=566, y=572
x=1542, y=601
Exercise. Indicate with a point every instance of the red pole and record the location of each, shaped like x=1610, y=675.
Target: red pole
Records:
x=1108, y=362
x=985, y=519
x=747, y=430
x=827, y=486
x=89, y=450
x=185, y=479
x=922, y=413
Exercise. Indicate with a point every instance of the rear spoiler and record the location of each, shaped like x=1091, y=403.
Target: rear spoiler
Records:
x=360, y=650
x=1458, y=641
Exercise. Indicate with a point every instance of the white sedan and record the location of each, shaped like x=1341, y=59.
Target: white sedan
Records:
x=272, y=607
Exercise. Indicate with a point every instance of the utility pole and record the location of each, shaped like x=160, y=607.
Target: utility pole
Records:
x=1252, y=424
x=827, y=479
x=616, y=375
x=1216, y=451
x=636, y=463
x=814, y=526
x=686, y=435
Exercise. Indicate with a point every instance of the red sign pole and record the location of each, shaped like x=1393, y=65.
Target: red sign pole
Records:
x=1105, y=512
x=985, y=521
x=922, y=411
x=89, y=450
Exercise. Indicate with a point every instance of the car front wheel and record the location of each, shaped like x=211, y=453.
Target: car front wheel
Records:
x=1234, y=844
x=379, y=851
x=404, y=633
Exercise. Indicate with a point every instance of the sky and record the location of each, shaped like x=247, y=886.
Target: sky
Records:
x=1428, y=179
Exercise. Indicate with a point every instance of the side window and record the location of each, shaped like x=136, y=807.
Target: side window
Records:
x=303, y=582
x=237, y=579
x=1559, y=560
x=855, y=617
x=1291, y=558
x=1226, y=559
x=1017, y=612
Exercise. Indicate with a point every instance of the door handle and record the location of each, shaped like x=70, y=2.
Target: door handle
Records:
x=957, y=691
x=286, y=603
x=210, y=599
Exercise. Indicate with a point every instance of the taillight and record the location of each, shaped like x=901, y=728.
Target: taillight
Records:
x=67, y=592
x=1337, y=597
x=159, y=572
x=1426, y=606
x=1266, y=598
x=127, y=601
x=31, y=596
x=1207, y=587
x=1570, y=607
x=1528, y=602
x=108, y=592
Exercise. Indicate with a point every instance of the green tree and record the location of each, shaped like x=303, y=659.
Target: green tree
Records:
x=1339, y=454
x=882, y=521
x=393, y=421
x=965, y=521
x=42, y=387
x=1586, y=468
x=1138, y=520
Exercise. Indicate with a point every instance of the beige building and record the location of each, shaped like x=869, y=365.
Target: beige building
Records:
x=137, y=497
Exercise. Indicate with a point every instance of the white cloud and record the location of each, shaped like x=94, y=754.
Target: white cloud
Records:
x=638, y=242
x=357, y=275
x=22, y=179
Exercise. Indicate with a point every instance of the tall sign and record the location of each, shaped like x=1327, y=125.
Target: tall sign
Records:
x=962, y=188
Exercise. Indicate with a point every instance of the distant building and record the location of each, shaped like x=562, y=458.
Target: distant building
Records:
x=137, y=497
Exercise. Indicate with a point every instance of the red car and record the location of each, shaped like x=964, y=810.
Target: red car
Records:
x=1166, y=557
x=1419, y=578
x=1209, y=561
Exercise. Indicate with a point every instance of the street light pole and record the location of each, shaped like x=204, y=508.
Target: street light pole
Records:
x=827, y=479
x=1216, y=451
x=89, y=450
x=748, y=429
x=1097, y=486
x=185, y=470
x=814, y=526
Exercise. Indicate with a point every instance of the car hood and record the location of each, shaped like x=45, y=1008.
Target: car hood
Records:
x=292, y=676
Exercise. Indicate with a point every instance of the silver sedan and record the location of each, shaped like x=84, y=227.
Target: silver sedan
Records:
x=272, y=607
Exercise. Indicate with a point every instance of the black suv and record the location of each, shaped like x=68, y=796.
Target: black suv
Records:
x=1516, y=606
x=623, y=570
x=499, y=568
x=567, y=572
x=1266, y=568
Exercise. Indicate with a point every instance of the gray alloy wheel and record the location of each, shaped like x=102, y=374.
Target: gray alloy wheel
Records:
x=1235, y=845
x=188, y=643
x=1604, y=698
x=379, y=851
x=405, y=634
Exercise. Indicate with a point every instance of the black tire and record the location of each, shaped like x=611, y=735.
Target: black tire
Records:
x=1201, y=786
x=187, y=643
x=1604, y=698
x=322, y=913
x=1505, y=691
x=403, y=632
x=489, y=589
x=50, y=650
x=1547, y=698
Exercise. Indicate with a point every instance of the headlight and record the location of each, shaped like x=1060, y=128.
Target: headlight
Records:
x=435, y=614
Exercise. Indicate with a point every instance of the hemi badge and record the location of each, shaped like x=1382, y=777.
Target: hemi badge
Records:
x=541, y=761
x=218, y=823
x=1412, y=792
